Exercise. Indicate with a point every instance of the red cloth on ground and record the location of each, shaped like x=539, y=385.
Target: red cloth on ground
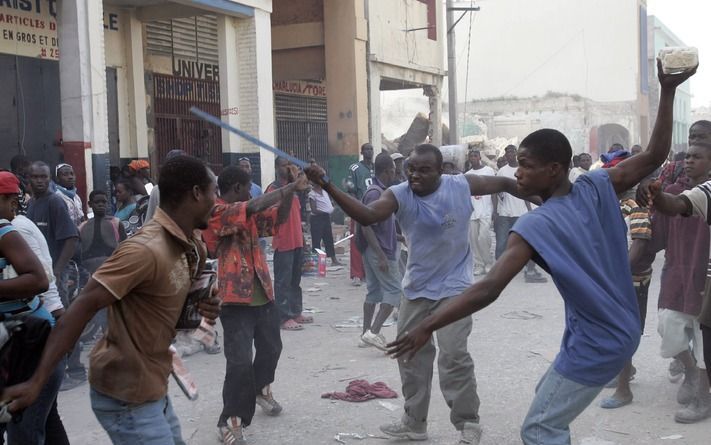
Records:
x=361, y=391
x=357, y=268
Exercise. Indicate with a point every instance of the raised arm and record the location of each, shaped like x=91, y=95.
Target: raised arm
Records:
x=376, y=211
x=283, y=195
x=518, y=252
x=631, y=171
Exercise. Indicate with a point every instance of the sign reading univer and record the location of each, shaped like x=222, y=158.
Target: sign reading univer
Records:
x=300, y=87
x=196, y=70
x=29, y=28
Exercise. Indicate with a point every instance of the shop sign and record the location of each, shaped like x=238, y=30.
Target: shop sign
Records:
x=196, y=70
x=300, y=87
x=29, y=28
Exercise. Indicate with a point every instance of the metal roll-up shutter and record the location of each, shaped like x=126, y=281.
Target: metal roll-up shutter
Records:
x=301, y=126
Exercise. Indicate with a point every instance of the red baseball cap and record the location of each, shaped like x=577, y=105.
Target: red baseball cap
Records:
x=9, y=184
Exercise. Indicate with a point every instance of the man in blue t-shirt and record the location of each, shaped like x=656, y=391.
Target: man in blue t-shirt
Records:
x=602, y=319
x=433, y=211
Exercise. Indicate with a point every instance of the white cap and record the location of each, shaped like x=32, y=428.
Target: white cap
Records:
x=395, y=156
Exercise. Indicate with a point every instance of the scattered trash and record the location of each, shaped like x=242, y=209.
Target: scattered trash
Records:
x=334, y=268
x=340, y=436
x=334, y=298
x=326, y=369
x=521, y=315
x=361, y=391
x=353, y=322
x=320, y=283
x=312, y=310
x=342, y=240
x=595, y=441
x=616, y=432
x=672, y=437
x=313, y=289
x=388, y=405
x=357, y=322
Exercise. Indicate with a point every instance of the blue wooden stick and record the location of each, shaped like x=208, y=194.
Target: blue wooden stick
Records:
x=220, y=123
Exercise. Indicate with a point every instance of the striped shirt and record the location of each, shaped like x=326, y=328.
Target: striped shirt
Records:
x=640, y=226
x=700, y=199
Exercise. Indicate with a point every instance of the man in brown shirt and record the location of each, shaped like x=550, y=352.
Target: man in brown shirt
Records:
x=144, y=284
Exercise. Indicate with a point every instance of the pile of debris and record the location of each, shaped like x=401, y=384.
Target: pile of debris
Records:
x=491, y=149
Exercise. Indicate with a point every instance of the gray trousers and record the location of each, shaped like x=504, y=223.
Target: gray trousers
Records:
x=455, y=365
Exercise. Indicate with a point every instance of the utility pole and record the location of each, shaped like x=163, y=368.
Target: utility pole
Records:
x=452, y=66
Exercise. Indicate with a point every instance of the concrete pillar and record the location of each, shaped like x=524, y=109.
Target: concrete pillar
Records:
x=375, y=111
x=229, y=83
x=82, y=78
x=137, y=122
x=255, y=93
x=345, y=36
x=434, y=93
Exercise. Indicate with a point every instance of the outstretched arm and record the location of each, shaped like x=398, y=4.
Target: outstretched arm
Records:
x=631, y=171
x=518, y=252
x=671, y=205
x=487, y=185
x=376, y=211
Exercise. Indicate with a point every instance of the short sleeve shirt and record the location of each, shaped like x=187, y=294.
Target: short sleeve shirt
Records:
x=581, y=240
x=700, y=199
x=440, y=262
x=288, y=236
x=686, y=244
x=509, y=205
x=234, y=237
x=38, y=244
x=385, y=231
x=483, y=207
x=362, y=177
x=50, y=214
x=150, y=275
x=74, y=207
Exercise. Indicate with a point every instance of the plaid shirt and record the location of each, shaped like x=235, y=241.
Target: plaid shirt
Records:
x=234, y=239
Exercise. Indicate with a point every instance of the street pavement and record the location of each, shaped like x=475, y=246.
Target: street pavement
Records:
x=513, y=342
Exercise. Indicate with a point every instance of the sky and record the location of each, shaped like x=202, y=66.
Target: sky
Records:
x=689, y=20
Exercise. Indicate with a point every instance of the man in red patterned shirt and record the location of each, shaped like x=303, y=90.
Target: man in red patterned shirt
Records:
x=249, y=315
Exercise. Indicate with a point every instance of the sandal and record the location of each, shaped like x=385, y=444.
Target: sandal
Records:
x=304, y=319
x=231, y=436
x=291, y=325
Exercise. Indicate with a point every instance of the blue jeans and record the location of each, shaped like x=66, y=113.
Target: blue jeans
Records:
x=502, y=227
x=150, y=423
x=287, y=282
x=31, y=428
x=557, y=403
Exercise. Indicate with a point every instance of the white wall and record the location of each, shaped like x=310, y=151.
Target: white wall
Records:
x=390, y=44
x=525, y=48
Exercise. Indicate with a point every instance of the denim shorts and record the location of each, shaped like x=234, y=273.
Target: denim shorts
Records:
x=383, y=287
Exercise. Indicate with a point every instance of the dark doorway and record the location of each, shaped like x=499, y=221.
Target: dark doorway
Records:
x=30, y=108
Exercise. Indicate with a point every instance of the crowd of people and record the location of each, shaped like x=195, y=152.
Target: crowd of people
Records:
x=422, y=244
